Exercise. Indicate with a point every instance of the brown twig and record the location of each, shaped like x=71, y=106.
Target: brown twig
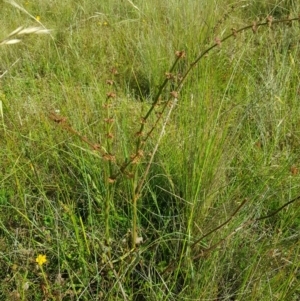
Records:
x=220, y=226
x=204, y=251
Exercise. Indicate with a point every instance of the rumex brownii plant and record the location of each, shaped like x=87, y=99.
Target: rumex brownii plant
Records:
x=133, y=170
x=128, y=167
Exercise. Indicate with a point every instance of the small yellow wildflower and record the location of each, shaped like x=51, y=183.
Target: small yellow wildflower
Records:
x=38, y=18
x=41, y=259
x=105, y=23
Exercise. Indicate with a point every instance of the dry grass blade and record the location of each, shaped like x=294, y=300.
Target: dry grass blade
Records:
x=4, y=72
x=13, y=3
x=1, y=110
x=131, y=3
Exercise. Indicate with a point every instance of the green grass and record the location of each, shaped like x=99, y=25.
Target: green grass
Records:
x=79, y=185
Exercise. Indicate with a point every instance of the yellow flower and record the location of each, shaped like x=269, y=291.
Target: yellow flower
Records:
x=41, y=259
x=38, y=18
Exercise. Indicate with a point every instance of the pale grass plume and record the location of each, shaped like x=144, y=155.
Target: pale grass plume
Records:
x=16, y=31
x=36, y=30
x=20, y=31
x=10, y=42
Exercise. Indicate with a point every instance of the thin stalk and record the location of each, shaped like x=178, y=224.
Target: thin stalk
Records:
x=234, y=33
x=154, y=103
x=140, y=184
x=134, y=220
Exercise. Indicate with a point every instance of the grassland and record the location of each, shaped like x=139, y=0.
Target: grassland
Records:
x=114, y=186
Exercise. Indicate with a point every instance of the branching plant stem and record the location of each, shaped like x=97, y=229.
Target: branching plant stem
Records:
x=142, y=181
x=142, y=138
